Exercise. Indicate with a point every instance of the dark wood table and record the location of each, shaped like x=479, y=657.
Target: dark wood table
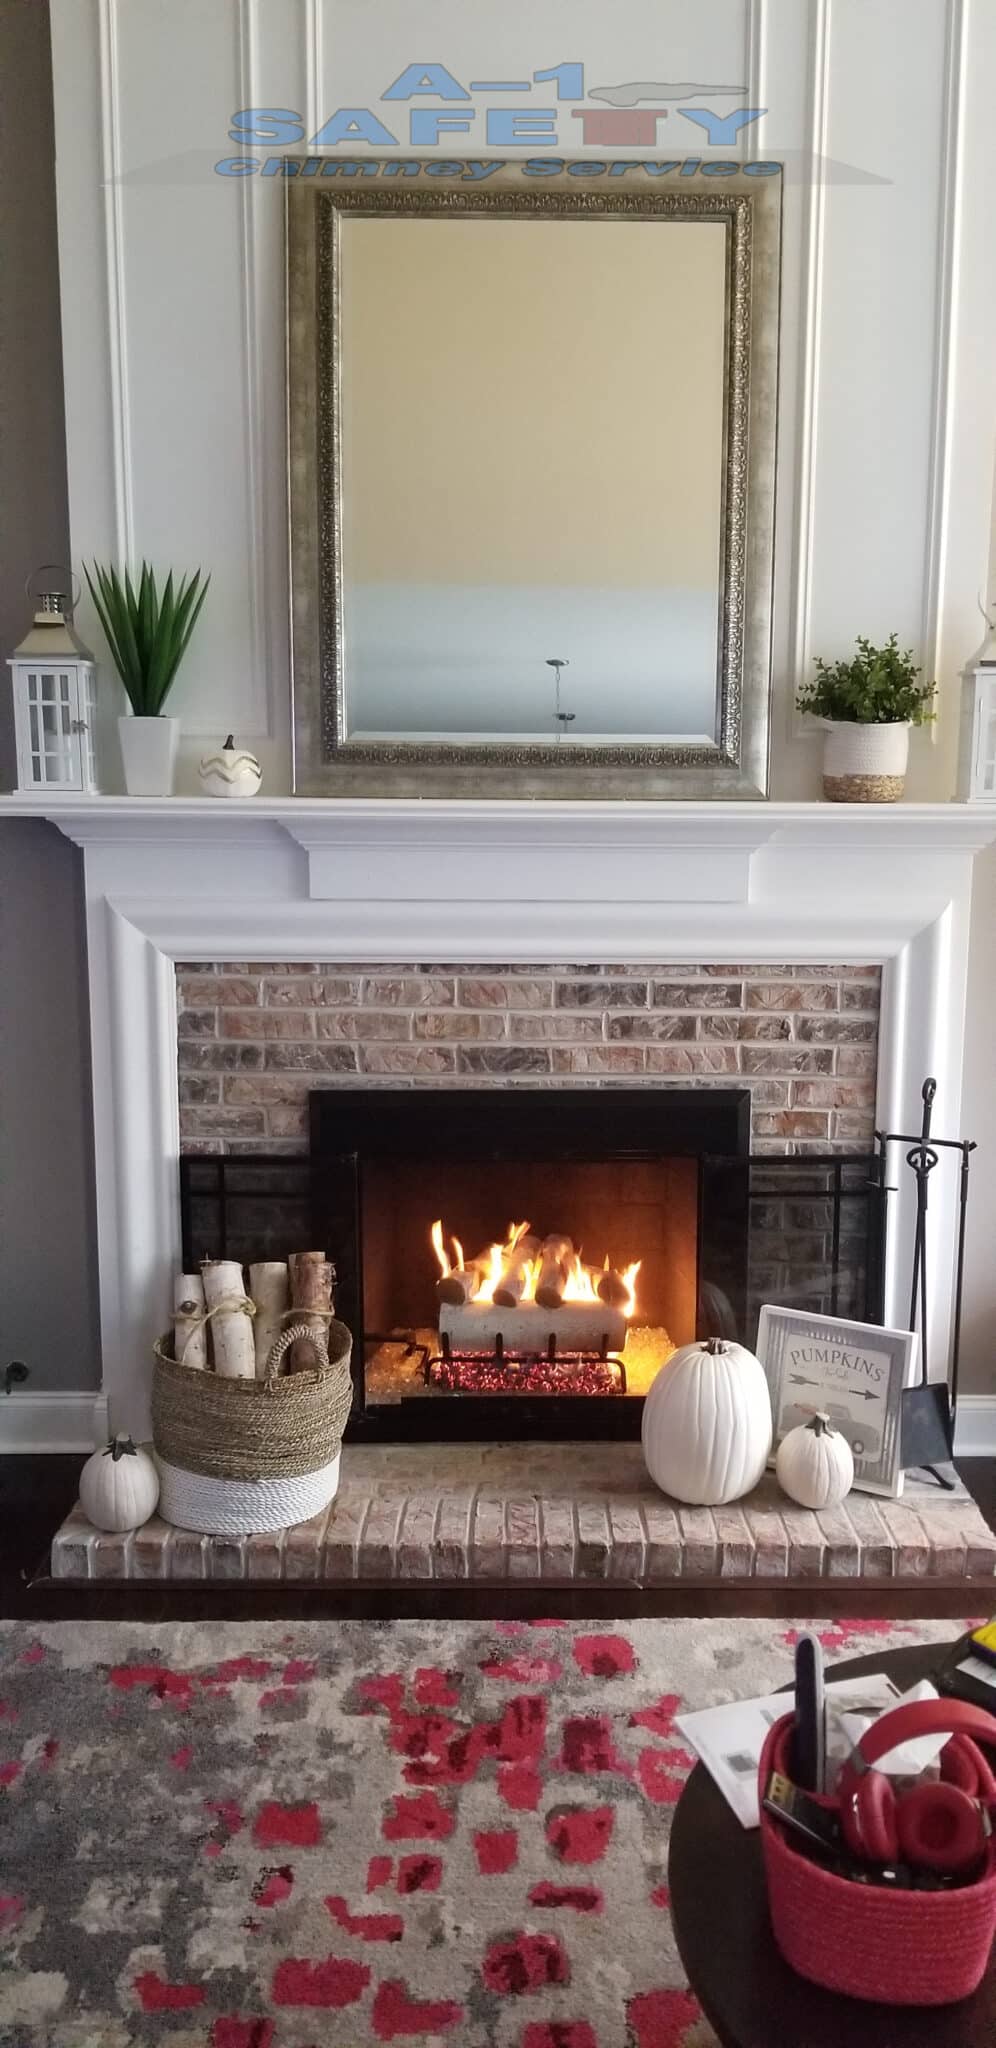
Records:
x=720, y=1914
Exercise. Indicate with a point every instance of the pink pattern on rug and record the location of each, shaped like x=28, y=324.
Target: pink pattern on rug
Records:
x=395, y=2014
x=236, y=2033
x=158, y=1996
x=661, y=2019
x=496, y=1851
x=300, y=1827
x=419, y=1874
x=415, y=1814
x=580, y=1834
x=330, y=1984
x=559, y=2034
x=604, y=1656
x=529, y=1962
x=366, y=1926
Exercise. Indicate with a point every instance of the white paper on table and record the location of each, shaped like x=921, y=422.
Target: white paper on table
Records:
x=911, y=1759
x=729, y=1739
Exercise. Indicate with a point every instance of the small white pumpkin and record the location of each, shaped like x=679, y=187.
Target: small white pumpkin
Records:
x=814, y=1464
x=231, y=772
x=119, y=1486
x=707, y=1423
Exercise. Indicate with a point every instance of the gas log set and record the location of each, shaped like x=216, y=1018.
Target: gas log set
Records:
x=530, y=1311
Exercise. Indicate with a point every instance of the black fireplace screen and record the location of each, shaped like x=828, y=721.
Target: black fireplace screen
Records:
x=660, y=1184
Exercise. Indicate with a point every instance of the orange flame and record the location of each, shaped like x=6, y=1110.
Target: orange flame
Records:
x=581, y=1283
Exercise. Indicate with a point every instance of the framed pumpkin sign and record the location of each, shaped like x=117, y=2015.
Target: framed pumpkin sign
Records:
x=853, y=1372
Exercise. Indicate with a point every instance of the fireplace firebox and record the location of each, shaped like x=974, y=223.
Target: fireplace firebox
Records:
x=522, y=1261
x=518, y=1263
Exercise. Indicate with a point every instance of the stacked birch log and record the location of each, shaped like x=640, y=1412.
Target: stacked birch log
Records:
x=219, y=1326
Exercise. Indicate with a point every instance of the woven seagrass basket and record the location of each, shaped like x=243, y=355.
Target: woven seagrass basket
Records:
x=239, y=1456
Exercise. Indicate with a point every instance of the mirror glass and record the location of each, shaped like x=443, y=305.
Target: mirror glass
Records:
x=532, y=462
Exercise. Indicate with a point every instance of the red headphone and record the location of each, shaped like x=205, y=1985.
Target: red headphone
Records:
x=942, y=1825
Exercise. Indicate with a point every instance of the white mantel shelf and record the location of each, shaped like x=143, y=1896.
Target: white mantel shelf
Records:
x=386, y=881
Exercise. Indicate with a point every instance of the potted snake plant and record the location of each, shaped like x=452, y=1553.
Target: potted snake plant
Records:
x=148, y=631
x=867, y=706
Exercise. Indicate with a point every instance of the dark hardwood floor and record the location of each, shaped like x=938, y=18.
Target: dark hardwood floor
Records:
x=36, y=1492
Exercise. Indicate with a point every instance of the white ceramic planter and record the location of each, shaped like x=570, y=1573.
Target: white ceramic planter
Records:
x=148, y=752
x=864, y=763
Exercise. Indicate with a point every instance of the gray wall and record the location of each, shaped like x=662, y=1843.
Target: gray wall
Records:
x=48, y=1311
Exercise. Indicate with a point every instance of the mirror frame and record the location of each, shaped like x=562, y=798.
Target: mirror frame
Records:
x=325, y=761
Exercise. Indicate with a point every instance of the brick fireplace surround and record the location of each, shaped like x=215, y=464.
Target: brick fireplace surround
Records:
x=256, y=1037
x=289, y=918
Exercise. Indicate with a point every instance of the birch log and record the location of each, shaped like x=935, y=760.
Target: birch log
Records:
x=511, y=1287
x=310, y=1290
x=555, y=1265
x=231, y=1328
x=189, y=1327
x=462, y=1284
x=269, y=1285
x=612, y=1288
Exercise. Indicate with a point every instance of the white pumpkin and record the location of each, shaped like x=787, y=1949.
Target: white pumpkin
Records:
x=233, y=771
x=707, y=1423
x=814, y=1464
x=119, y=1486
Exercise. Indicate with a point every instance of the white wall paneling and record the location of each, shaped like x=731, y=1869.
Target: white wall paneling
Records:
x=950, y=178
x=172, y=311
x=807, y=408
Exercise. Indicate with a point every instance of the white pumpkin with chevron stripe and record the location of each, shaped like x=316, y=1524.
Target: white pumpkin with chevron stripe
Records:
x=707, y=1423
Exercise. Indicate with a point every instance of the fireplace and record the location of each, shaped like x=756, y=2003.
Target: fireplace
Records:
x=518, y=1263
x=521, y=1261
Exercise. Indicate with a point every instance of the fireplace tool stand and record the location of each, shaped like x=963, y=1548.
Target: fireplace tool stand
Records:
x=929, y=1409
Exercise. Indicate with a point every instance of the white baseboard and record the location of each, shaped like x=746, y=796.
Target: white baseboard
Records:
x=975, y=1432
x=78, y=1422
x=52, y=1422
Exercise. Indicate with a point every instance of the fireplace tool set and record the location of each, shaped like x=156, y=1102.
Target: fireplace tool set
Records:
x=929, y=1408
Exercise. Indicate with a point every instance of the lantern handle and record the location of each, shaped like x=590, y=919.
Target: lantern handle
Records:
x=74, y=583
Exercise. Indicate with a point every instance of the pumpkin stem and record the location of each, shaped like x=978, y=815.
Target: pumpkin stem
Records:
x=821, y=1424
x=229, y=746
x=715, y=1345
x=121, y=1447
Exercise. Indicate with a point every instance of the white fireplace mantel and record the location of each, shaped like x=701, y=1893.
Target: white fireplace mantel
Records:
x=386, y=881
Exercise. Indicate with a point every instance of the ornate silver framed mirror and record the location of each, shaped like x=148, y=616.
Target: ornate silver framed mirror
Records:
x=532, y=465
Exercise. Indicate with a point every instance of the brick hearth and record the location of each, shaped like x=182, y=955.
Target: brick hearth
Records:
x=476, y=1512
x=255, y=1038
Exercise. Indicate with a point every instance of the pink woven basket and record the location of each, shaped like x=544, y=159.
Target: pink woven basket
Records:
x=892, y=1947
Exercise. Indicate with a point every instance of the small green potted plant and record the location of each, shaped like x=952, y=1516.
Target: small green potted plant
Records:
x=867, y=706
x=147, y=631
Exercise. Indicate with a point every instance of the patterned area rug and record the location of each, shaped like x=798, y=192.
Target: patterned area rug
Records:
x=255, y=1836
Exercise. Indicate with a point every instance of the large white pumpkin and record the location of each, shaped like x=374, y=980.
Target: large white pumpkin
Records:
x=119, y=1486
x=707, y=1423
x=814, y=1464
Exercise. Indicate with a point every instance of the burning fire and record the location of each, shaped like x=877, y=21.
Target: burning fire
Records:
x=580, y=1284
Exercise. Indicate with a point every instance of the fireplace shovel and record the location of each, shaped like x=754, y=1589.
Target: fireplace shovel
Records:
x=927, y=1430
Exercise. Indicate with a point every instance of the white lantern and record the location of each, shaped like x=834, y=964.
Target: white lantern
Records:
x=54, y=704
x=977, y=750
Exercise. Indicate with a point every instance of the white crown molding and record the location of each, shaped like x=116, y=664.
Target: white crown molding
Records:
x=59, y=1420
